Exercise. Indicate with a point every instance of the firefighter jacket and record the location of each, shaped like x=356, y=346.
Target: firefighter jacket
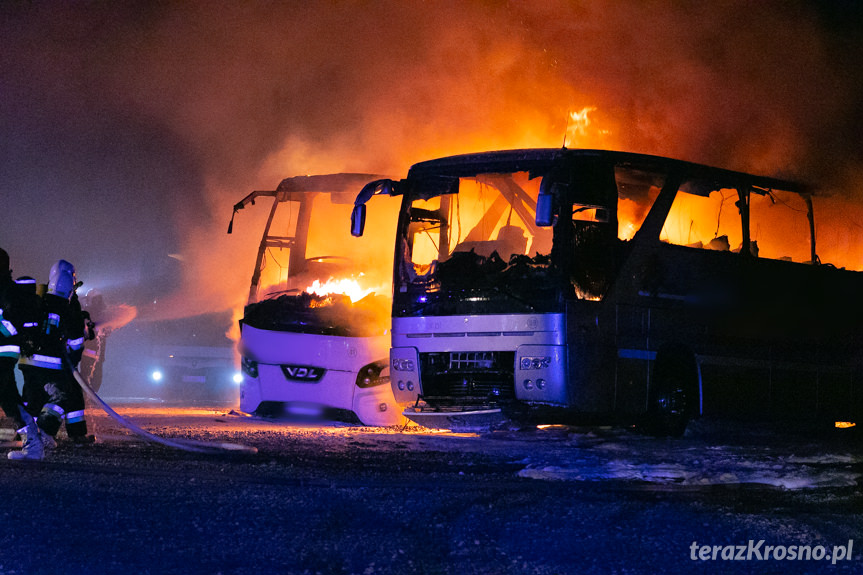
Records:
x=10, y=347
x=61, y=334
x=28, y=306
x=81, y=319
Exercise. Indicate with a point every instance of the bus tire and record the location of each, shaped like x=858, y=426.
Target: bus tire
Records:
x=673, y=398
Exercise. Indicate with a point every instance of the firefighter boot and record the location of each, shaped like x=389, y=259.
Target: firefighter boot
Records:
x=51, y=417
x=48, y=441
x=76, y=428
x=82, y=440
x=33, y=448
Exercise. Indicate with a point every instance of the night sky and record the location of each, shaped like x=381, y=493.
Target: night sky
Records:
x=129, y=129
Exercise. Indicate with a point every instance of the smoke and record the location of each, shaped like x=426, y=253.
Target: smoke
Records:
x=132, y=128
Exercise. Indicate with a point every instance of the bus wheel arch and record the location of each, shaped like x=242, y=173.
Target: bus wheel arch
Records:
x=674, y=397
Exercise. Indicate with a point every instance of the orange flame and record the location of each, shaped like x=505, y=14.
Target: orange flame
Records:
x=579, y=124
x=778, y=225
x=580, y=119
x=346, y=286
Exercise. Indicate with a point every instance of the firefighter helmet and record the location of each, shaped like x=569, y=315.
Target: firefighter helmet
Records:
x=61, y=280
x=27, y=283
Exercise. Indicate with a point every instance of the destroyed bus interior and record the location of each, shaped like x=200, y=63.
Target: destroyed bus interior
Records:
x=314, y=331
x=457, y=247
x=594, y=282
x=304, y=312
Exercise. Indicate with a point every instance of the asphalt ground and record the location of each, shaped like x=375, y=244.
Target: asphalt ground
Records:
x=347, y=499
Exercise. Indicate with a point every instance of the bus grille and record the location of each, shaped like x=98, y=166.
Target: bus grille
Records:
x=471, y=360
x=469, y=377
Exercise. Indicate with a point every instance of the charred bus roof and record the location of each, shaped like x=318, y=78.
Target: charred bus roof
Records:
x=342, y=183
x=538, y=161
x=340, y=186
x=467, y=165
x=432, y=178
x=325, y=182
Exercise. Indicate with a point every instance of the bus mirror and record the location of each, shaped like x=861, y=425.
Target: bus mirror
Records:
x=358, y=220
x=544, y=210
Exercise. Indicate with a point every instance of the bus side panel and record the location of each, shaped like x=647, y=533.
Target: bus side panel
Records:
x=591, y=356
x=631, y=385
x=731, y=390
x=774, y=338
x=634, y=359
x=836, y=395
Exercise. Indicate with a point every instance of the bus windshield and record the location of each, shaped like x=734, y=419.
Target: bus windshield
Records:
x=310, y=275
x=479, y=240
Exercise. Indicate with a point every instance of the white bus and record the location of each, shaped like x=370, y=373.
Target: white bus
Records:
x=314, y=334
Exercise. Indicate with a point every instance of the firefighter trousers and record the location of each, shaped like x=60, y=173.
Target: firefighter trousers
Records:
x=52, y=396
x=10, y=399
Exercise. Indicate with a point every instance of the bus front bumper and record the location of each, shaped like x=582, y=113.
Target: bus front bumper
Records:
x=475, y=420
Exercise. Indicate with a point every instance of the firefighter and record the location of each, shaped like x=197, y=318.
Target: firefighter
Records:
x=10, y=350
x=31, y=309
x=76, y=423
x=94, y=348
x=50, y=391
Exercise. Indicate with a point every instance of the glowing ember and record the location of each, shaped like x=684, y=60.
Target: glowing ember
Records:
x=581, y=294
x=845, y=424
x=347, y=286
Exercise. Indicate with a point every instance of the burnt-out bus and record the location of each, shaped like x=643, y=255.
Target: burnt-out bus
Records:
x=586, y=282
x=314, y=339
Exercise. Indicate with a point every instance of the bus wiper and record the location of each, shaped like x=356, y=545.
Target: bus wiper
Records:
x=420, y=305
x=512, y=296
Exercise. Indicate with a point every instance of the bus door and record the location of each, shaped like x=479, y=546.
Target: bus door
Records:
x=590, y=259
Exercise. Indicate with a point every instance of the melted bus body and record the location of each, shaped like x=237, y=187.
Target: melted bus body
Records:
x=597, y=282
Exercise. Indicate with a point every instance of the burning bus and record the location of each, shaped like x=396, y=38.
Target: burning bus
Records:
x=575, y=282
x=313, y=338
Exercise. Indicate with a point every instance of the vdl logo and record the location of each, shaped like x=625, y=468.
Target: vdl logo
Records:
x=304, y=373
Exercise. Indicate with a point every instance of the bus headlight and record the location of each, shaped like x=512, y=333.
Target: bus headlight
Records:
x=534, y=362
x=401, y=364
x=249, y=367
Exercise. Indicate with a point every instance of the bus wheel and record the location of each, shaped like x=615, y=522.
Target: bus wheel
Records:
x=673, y=398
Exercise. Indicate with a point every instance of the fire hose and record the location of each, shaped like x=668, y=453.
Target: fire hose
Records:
x=183, y=444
